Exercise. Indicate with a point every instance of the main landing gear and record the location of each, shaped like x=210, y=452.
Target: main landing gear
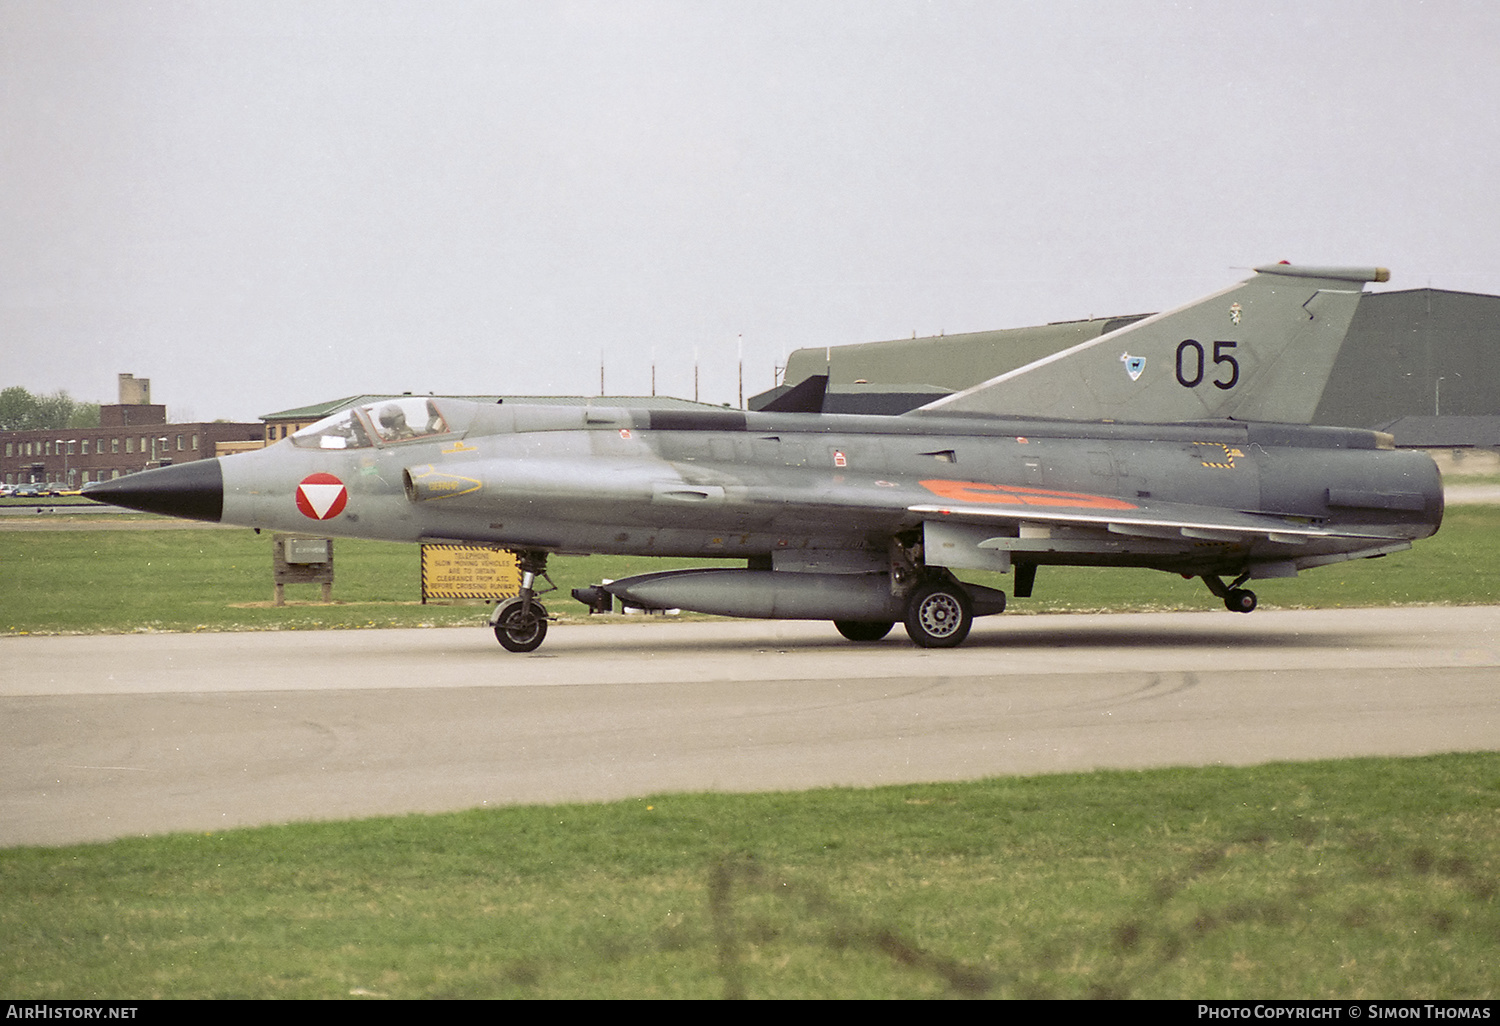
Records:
x=521, y=623
x=939, y=613
x=1236, y=599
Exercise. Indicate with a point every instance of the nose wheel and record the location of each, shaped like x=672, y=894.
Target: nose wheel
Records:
x=521, y=623
x=521, y=629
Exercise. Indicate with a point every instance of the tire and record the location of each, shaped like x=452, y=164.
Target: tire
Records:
x=1240, y=600
x=864, y=630
x=517, y=632
x=939, y=615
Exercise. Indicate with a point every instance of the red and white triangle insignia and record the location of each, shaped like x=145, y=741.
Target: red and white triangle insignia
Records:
x=321, y=496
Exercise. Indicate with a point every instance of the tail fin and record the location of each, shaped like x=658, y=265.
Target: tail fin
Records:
x=1262, y=350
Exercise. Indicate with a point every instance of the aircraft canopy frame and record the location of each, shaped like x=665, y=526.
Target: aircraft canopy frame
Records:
x=378, y=424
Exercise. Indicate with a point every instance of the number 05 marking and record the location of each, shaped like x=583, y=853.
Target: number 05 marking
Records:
x=1190, y=369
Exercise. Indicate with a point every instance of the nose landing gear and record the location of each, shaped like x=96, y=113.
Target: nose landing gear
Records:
x=521, y=623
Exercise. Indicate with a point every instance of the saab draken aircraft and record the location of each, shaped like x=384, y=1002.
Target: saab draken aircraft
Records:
x=1179, y=442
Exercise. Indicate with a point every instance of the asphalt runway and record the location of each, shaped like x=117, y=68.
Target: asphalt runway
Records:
x=109, y=736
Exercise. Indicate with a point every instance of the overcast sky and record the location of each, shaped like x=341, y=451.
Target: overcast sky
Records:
x=261, y=204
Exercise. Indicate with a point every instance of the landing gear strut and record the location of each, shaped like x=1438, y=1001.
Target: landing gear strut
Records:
x=521, y=623
x=1236, y=599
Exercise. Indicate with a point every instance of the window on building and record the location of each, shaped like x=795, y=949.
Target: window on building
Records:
x=130, y=445
x=85, y=445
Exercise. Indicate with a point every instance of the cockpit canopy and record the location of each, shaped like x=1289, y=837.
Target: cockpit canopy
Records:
x=387, y=422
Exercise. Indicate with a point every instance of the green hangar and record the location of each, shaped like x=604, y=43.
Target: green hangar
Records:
x=1422, y=364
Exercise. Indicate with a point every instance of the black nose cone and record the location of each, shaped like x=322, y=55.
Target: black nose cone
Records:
x=194, y=490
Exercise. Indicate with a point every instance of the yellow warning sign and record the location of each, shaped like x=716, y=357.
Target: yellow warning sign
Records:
x=469, y=572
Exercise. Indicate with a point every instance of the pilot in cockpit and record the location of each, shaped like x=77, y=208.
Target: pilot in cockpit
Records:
x=393, y=426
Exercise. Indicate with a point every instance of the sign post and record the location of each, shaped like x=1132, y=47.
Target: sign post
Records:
x=301, y=559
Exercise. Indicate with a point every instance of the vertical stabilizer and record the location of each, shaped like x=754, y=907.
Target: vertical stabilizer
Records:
x=1261, y=350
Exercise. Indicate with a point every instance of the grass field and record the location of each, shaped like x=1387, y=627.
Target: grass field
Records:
x=1358, y=879
x=194, y=579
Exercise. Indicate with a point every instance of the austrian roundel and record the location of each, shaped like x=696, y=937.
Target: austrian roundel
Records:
x=322, y=496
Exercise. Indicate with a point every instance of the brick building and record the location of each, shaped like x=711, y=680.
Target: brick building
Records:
x=131, y=436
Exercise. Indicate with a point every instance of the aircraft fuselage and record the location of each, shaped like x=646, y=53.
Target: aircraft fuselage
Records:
x=587, y=479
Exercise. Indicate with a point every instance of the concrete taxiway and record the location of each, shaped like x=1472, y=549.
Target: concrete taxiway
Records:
x=109, y=736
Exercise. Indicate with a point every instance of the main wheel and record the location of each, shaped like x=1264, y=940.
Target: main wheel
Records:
x=864, y=630
x=518, y=631
x=938, y=615
x=1240, y=600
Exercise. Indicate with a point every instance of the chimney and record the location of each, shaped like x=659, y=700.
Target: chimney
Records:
x=134, y=391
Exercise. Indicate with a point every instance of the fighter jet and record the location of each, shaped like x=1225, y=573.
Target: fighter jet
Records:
x=1177, y=443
